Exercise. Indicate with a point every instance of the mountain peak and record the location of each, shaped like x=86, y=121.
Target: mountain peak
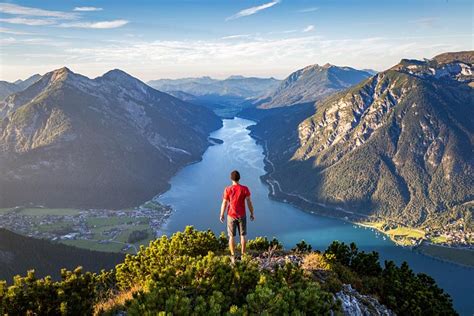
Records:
x=234, y=77
x=120, y=76
x=464, y=57
x=312, y=83
x=61, y=74
x=115, y=73
x=63, y=70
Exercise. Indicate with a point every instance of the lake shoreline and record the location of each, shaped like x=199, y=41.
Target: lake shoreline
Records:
x=312, y=207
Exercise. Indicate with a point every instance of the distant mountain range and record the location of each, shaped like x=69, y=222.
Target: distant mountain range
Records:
x=311, y=84
x=7, y=88
x=110, y=142
x=396, y=146
x=19, y=254
x=235, y=86
x=226, y=97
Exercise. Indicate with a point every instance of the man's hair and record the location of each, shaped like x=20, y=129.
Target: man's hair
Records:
x=235, y=176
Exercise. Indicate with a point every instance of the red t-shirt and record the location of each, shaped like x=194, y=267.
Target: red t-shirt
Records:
x=236, y=195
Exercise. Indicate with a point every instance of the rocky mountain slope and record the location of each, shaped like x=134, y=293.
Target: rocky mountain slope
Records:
x=113, y=141
x=311, y=84
x=19, y=254
x=397, y=146
x=7, y=88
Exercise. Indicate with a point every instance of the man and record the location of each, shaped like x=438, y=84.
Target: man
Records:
x=233, y=201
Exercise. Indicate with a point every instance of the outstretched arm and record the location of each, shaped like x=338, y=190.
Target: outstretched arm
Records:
x=223, y=209
x=250, y=205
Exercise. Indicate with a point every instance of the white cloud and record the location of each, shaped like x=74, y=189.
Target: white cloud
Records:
x=252, y=10
x=237, y=36
x=30, y=41
x=87, y=9
x=28, y=21
x=312, y=9
x=10, y=8
x=4, y=41
x=309, y=28
x=428, y=22
x=14, y=32
x=96, y=25
x=255, y=56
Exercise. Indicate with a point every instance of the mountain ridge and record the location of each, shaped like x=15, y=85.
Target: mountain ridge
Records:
x=311, y=83
x=403, y=136
x=68, y=133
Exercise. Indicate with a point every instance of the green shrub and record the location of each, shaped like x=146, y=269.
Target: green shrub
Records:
x=263, y=244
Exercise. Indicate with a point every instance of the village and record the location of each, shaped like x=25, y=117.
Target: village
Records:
x=95, y=229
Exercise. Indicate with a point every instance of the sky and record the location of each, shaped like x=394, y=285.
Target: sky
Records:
x=218, y=38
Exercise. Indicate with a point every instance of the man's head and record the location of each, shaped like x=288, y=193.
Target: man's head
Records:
x=235, y=176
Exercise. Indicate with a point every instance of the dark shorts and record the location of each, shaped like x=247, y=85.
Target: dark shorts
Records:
x=236, y=223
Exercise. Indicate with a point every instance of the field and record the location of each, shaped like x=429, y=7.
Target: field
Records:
x=401, y=235
x=94, y=245
x=5, y=210
x=456, y=255
x=406, y=232
x=49, y=211
x=101, y=230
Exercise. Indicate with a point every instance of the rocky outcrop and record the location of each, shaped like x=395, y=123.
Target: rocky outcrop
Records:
x=355, y=304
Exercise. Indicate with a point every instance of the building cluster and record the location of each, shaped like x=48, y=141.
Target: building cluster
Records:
x=80, y=225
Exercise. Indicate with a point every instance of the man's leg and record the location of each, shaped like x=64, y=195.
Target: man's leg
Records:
x=243, y=233
x=231, y=245
x=231, y=228
x=243, y=242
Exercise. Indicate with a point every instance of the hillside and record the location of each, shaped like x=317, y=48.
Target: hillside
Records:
x=110, y=142
x=7, y=88
x=396, y=147
x=190, y=273
x=310, y=84
x=19, y=254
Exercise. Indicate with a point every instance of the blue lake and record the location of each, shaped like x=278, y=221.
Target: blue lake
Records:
x=196, y=195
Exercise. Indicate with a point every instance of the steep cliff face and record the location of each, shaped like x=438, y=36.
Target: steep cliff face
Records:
x=398, y=145
x=112, y=141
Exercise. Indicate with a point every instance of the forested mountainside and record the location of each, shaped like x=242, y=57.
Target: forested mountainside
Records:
x=7, y=88
x=113, y=141
x=189, y=273
x=310, y=84
x=19, y=254
x=397, y=146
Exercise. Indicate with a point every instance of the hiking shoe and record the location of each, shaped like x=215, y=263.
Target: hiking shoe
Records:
x=232, y=259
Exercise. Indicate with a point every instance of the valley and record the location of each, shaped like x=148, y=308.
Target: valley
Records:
x=380, y=159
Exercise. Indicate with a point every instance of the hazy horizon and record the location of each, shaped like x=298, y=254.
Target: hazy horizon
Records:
x=176, y=39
